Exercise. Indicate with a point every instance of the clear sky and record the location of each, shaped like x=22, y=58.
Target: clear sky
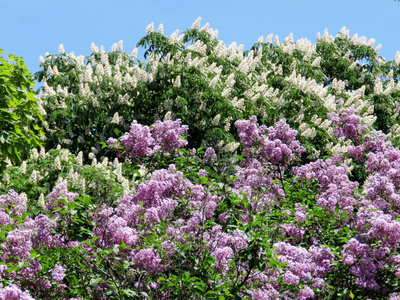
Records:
x=30, y=28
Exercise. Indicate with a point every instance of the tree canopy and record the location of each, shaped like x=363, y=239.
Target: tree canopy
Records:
x=19, y=109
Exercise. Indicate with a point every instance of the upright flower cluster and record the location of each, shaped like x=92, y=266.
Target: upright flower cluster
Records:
x=164, y=137
x=348, y=125
x=278, y=146
x=336, y=190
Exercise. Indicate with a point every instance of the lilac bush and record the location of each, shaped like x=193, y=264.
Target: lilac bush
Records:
x=271, y=230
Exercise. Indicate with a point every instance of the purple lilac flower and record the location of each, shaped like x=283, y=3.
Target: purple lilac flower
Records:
x=114, y=231
x=141, y=140
x=394, y=296
x=306, y=293
x=13, y=292
x=303, y=265
x=267, y=292
x=277, y=147
x=335, y=187
x=137, y=142
x=257, y=184
x=292, y=231
x=167, y=135
x=148, y=260
x=18, y=244
x=348, y=125
x=58, y=273
x=14, y=203
x=41, y=226
x=202, y=173
x=223, y=257
x=5, y=219
x=210, y=155
x=357, y=153
x=58, y=193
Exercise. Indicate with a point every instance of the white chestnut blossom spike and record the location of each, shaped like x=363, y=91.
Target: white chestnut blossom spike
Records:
x=115, y=119
x=23, y=167
x=326, y=34
x=289, y=38
x=93, y=48
x=57, y=163
x=231, y=147
x=276, y=41
x=79, y=158
x=134, y=53
x=397, y=58
x=150, y=28
x=260, y=39
x=34, y=154
x=216, y=120
x=196, y=23
x=177, y=82
x=268, y=40
x=41, y=202
x=160, y=29
x=168, y=116
x=60, y=49
x=205, y=27
x=119, y=45
x=42, y=153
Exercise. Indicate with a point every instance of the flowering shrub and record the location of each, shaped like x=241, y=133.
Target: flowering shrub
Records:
x=298, y=200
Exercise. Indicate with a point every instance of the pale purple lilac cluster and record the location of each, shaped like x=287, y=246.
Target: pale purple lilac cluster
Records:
x=336, y=190
x=274, y=145
x=164, y=137
x=14, y=204
x=348, y=125
x=13, y=292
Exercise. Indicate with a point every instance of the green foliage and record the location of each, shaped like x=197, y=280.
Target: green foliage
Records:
x=19, y=110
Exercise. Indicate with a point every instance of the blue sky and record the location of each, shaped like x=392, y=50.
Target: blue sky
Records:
x=32, y=28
